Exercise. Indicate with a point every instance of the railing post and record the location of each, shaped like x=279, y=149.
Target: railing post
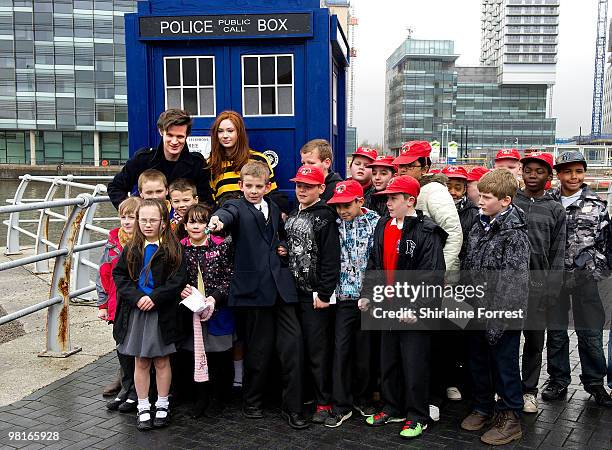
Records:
x=58, y=323
x=43, y=230
x=12, y=235
x=82, y=272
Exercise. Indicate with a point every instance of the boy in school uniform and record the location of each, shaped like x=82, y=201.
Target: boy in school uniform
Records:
x=406, y=240
x=318, y=152
x=585, y=265
x=314, y=260
x=263, y=294
x=546, y=232
x=498, y=247
x=351, y=361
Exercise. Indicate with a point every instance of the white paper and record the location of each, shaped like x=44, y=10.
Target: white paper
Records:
x=196, y=301
x=332, y=299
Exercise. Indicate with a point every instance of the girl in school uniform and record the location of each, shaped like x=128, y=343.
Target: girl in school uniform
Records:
x=150, y=276
x=210, y=335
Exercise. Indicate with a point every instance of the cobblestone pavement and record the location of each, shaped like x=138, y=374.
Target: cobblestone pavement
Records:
x=74, y=408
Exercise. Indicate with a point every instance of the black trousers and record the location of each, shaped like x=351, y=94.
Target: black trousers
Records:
x=405, y=364
x=317, y=327
x=270, y=330
x=448, y=363
x=534, y=332
x=128, y=389
x=351, y=361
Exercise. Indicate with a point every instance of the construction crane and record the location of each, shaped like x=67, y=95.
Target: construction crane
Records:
x=600, y=65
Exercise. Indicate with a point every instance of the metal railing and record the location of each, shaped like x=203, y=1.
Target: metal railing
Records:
x=71, y=272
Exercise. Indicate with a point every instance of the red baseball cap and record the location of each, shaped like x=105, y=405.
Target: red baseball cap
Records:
x=366, y=152
x=455, y=172
x=309, y=175
x=404, y=184
x=411, y=151
x=434, y=171
x=546, y=158
x=384, y=161
x=508, y=153
x=346, y=192
x=476, y=173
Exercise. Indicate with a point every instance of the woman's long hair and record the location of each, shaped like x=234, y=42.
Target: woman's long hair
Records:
x=167, y=240
x=237, y=156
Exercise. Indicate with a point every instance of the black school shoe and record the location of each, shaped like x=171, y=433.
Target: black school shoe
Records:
x=128, y=406
x=252, y=412
x=600, y=395
x=553, y=391
x=160, y=422
x=113, y=405
x=295, y=420
x=144, y=425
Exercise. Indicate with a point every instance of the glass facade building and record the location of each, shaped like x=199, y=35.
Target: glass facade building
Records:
x=421, y=91
x=63, y=81
x=429, y=98
x=497, y=116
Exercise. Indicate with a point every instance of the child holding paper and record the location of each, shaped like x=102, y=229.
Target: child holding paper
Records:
x=210, y=266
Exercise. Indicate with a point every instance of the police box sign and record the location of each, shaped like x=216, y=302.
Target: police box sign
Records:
x=235, y=25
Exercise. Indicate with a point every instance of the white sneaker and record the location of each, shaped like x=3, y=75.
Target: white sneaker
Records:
x=453, y=393
x=531, y=404
x=434, y=413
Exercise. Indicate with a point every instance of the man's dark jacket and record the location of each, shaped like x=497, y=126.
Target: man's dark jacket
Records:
x=189, y=165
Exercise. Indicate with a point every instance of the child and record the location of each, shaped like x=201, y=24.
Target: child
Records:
x=407, y=240
x=263, y=295
x=209, y=260
x=454, y=340
x=382, y=172
x=434, y=199
x=509, y=159
x=318, y=152
x=152, y=184
x=352, y=345
x=585, y=265
x=360, y=171
x=183, y=194
x=546, y=232
x=146, y=325
x=314, y=260
x=474, y=177
x=125, y=401
x=498, y=245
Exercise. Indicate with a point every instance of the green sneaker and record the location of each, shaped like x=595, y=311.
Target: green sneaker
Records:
x=412, y=429
x=382, y=418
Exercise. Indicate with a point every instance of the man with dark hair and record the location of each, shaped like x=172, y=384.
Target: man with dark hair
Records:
x=171, y=157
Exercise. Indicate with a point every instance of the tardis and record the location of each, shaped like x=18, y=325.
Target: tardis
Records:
x=280, y=63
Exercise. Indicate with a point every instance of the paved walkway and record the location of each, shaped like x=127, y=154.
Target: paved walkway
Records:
x=74, y=408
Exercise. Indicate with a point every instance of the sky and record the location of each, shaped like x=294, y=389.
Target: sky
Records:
x=382, y=28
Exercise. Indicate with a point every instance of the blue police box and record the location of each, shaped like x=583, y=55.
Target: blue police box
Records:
x=281, y=64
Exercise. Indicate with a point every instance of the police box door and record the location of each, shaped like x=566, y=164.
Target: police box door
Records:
x=264, y=83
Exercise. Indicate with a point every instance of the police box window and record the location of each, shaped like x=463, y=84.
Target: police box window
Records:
x=190, y=84
x=267, y=85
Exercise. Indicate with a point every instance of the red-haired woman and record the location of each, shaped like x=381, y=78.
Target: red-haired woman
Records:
x=229, y=153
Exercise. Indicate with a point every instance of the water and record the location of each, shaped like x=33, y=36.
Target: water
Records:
x=39, y=190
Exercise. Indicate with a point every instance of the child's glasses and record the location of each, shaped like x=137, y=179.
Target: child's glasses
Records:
x=148, y=221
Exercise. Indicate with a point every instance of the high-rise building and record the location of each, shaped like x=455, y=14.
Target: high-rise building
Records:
x=63, y=81
x=504, y=102
x=606, y=126
x=519, y=38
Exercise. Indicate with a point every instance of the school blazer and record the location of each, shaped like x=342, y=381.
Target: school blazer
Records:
x=260, y=276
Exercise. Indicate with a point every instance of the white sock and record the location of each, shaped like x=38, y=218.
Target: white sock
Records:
x=162, y=402
x=238, y=373
x=129, y=400
x=144, y=405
